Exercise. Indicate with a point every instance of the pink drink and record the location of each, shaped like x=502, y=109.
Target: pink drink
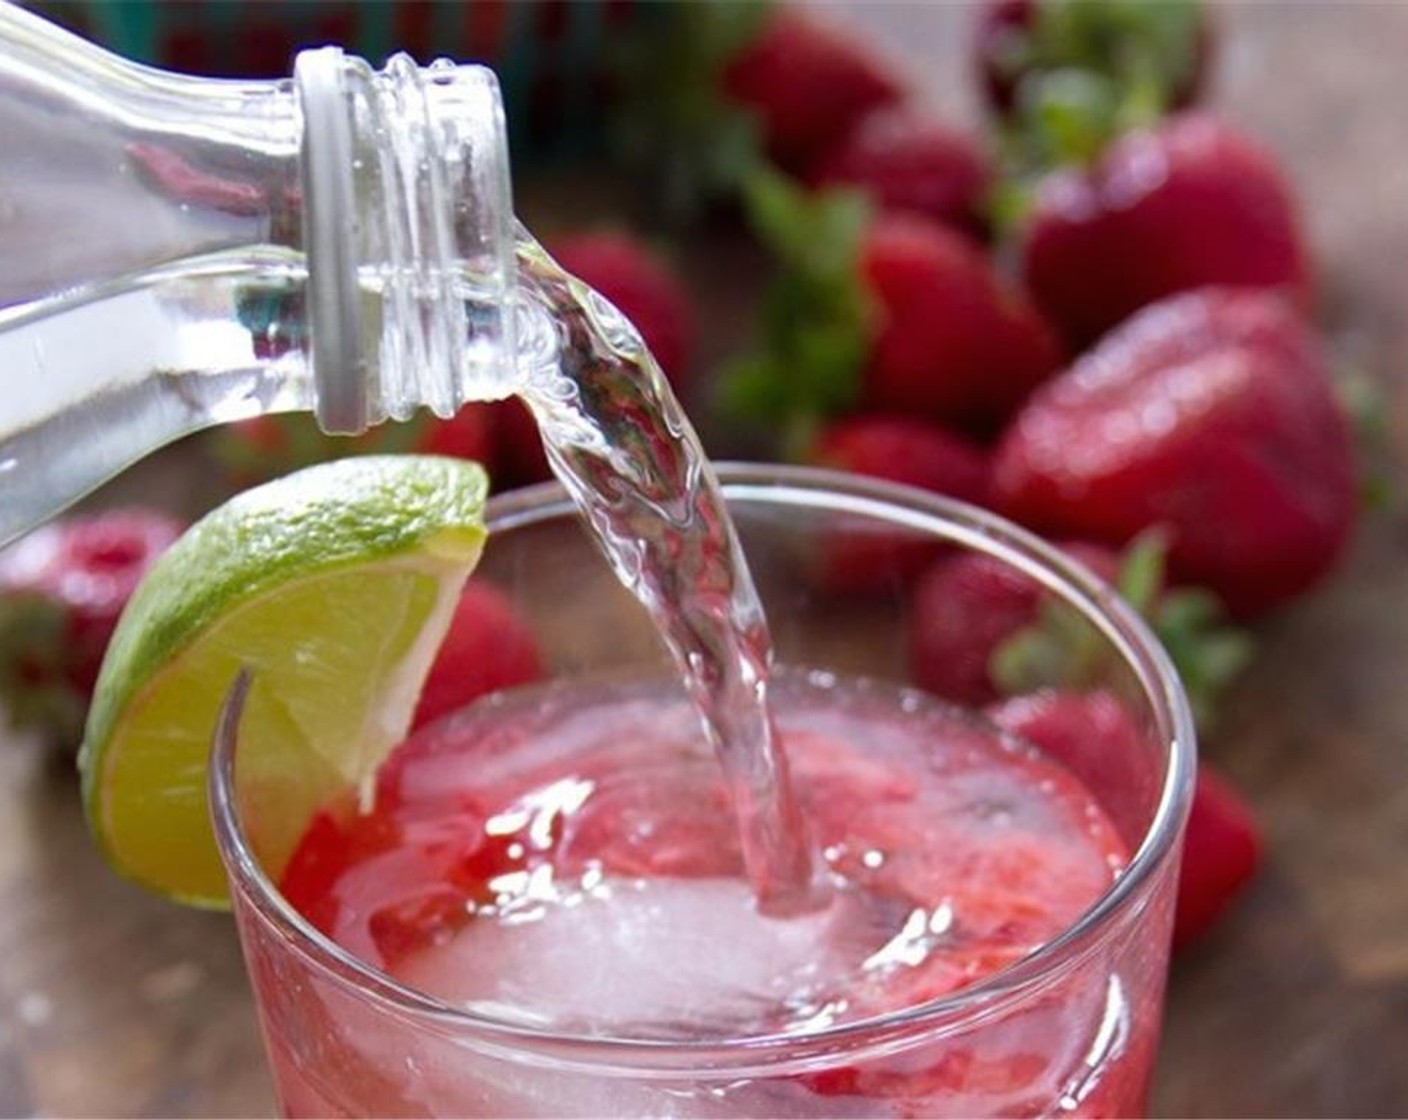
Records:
x=565, y=860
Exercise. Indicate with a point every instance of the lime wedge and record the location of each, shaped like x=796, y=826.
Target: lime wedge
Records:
x=334, y=586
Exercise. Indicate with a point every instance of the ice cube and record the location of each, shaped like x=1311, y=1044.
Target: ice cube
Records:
x=655, y=958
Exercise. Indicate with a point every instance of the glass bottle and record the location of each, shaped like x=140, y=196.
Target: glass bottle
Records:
x=179, y=252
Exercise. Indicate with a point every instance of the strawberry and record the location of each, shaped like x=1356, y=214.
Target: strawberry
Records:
x=899, y=449
x=907, y=161
x=1000, y=39
x=979, y=629
x=1211, y=414
x=965, y=607
x=466, y=435
x=385, y=883
x=640, y=286
x=62, y=590
x=628, y=832
x=894, y=314
x=953, y=342
x=1158, y=50
x=896, y=449
x=489, y=646
x=921, y=1081
x=1186, y=204
x=1222, y=850
x=1094, y=736
x=807, y=81
x=519, y=458
x=263, y=447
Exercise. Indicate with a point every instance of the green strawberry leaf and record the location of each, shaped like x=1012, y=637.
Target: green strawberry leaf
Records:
x=815, y=233
x=754, y=386
x=1091, y=70
x=1364, y=402
x=815, y=327
x=1142, y=570
x=1059, y=650
x=1145, y=50
x=1153, y=39
x=1068, y=116
x=1062, y=650
x=1207, y=653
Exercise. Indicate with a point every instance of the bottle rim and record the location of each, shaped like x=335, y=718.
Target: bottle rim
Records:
x=407, y=222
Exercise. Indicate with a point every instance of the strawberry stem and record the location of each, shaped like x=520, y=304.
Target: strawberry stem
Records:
x=1363, y=401
x=1147, y=51
x=1088, y=72
x=1063, y=650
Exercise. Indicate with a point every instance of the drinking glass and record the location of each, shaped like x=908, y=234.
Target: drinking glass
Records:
x=1071, y=1028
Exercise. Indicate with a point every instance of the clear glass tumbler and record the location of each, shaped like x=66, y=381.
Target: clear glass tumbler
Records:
x=1072, y=1028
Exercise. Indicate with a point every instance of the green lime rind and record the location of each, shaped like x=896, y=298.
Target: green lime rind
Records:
x=358, y=554
x=345, y=511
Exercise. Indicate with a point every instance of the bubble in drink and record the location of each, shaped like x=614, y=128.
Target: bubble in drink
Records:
x=564, y=858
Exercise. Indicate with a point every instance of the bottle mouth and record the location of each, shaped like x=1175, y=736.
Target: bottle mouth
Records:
x=408, y=234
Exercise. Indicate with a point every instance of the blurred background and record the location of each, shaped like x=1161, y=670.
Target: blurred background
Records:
x=700, y=165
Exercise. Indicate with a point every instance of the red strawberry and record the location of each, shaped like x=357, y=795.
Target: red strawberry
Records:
x=1211, y=414
x=901, y=450
x=519, y=458
x=62, y=590
x=910, y=452
x=1094, y=736
x=954, y=343
x=965, y=607
x=641, y=287
x=1186, y=204
x=1222, y=850
x=489, y=646
x=266, y=446
x=808, y=82
x=999, y=43
x=1017, y=39
x=251, y=450
x=469, y=434
x=910, y=162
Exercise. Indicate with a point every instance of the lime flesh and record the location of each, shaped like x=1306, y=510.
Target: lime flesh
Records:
x=333, y=587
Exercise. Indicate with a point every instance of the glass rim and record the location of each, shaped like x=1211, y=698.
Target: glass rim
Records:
x=772, y=1054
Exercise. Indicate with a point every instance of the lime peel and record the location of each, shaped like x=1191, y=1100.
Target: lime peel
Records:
x=334, y=586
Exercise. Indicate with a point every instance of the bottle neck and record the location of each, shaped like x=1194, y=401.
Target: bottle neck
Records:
x=392, y=186
x=407, y=224
x=182, y=252
x=114, y=168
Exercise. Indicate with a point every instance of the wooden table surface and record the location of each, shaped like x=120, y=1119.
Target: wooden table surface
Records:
x=114, y=1003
